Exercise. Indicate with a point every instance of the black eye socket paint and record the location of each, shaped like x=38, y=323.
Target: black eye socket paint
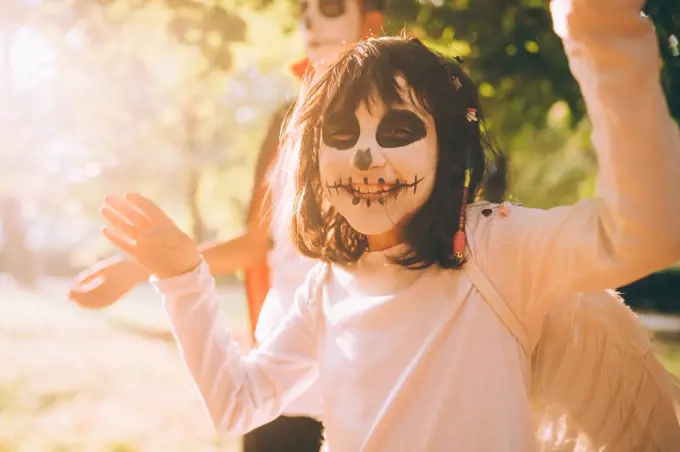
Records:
x=341, y=131
x=399, y=128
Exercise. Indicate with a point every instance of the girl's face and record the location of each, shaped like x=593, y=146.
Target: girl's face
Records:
x=378, y=166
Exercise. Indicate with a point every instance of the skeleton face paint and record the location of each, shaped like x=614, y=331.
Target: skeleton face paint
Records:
x=329, y=27
x=378, y=167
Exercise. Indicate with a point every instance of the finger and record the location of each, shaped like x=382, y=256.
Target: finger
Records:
x=119, y=222
x=93, y=295
x=133, y=215
x=95, y=270
x=86, y=276
x=125, y=244
x=148, y=207
x=92, y=300
x=85, y=286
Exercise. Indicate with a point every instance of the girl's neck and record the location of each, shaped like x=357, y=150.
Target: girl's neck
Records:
x=384, y=241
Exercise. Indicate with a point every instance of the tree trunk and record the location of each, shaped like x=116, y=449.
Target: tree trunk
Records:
x=16, y=255
x=18, y=258
x=198, y=227
x=193, y=184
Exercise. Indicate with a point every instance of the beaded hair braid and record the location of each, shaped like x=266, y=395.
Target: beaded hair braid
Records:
x=459, y=236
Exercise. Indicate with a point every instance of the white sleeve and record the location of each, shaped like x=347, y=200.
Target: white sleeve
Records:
x=632, y=226
x=240, y=392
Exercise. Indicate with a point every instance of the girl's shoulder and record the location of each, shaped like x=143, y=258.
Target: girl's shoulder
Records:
x=489, y=226
x=484, y=214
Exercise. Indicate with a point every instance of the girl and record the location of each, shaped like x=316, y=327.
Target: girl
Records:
x=386, y=150
x=270, y=274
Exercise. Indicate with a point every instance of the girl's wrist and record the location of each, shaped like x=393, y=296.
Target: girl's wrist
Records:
x=141, y=273
x=137, y=271
x=180, y=270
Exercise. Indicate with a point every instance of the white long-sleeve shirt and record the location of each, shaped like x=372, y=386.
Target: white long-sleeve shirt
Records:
x=416, y=360
x=287, y=272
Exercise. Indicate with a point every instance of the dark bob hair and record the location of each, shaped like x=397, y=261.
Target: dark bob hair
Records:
x=366, y=74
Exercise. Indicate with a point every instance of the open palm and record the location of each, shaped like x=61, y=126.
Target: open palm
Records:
x=141, y=228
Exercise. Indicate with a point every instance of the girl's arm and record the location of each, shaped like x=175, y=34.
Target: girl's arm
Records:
x=240, y=392
x=107, y=281
x=632, y=227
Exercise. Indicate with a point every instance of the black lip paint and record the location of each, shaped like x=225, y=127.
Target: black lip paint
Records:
x=382, y=193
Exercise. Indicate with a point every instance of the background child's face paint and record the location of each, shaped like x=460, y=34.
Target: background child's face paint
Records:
x=329, y=28
x=378, y=167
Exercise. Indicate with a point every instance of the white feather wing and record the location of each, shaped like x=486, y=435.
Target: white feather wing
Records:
x=597, y=384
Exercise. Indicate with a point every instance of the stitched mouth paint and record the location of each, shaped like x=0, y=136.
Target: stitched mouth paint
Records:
x=379, y=192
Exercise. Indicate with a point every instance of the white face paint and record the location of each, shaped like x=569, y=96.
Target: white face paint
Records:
x=378, y=168
x=329, y=27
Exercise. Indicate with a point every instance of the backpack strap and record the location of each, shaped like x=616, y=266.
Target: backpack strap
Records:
x=503, y=311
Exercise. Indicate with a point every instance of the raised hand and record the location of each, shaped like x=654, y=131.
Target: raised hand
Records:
x=140, y=228
x=106, y=282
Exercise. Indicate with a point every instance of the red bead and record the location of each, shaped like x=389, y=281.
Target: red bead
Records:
x=459, y=243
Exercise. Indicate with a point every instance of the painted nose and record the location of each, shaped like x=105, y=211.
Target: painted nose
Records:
x=363, y=160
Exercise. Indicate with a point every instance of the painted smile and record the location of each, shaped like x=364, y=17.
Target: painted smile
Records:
x=379, y=191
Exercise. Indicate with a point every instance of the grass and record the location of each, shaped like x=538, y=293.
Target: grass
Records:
x=73, y=380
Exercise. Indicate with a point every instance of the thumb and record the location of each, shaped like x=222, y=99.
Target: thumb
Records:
x=88, y=275
x=82, y=288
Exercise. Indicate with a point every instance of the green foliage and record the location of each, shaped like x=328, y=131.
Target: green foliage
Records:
x=171, y=97
x=511, y=50
x=209, y=26
x=666, y=16
x=508, y=47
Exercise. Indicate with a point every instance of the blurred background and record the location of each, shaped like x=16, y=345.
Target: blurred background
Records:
x=171, y=98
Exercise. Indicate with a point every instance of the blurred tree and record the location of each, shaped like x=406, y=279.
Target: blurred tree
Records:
x=146, y=94
x=15, y=255
x=511, y=50
x=509, y=47
x=131, y=83
x=207, y=27
x=666, y=16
